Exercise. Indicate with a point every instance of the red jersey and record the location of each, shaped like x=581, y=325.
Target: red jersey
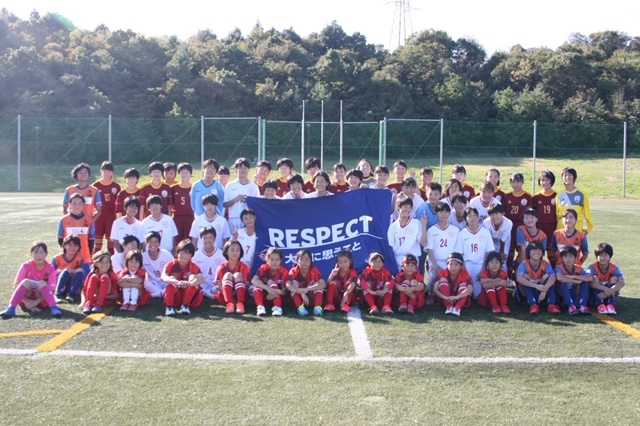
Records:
x=283, y=188
x=122, y=195
x=308, y=187
x=304, y=281
x=373, y=280
x=337, y=188
x=454, y=283
x=181, y=201
x=502, y=274
x=241, y=267
x=468, y=191
x=342, y=281
x=397, y=186
x=140, y=273
x=173, y=269
x=515, y=205
x=545, y=205
x=113, y=285
x=163, y=191
x=402, y=277
x=108, y=193
x=499, y=195
x=280, y=277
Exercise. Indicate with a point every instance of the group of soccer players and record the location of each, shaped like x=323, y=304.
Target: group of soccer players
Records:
x=185, y=242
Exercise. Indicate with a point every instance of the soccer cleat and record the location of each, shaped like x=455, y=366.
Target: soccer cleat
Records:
x=317, y=311
x=125, y=307
x=584, y=310
x=505, y=309
x=59, y=298
x=8, y=312
x=329, y=307
x=496, y=310
x=534, y=309
x=456, y=312
x=572, y=310
x=96, y=309
x=56, y=312
x=602, y=309
x=260, y=310
x=133, y=307
x=402, y=308
x=230, y=308
x=374, y=311
x=611, y=310
x=184, y=310
x=430, y=299
x=169, y=311
x=70, y=298
x=449, y=310
x=345, y=308
x=240, y=308
x=276, y=311
x=86, y=309
x=302, y=311
x=410, y=309
x=386, y=309
x=553, y=309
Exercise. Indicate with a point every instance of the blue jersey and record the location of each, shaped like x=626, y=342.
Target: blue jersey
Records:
x=432, y=216
x=199, y=190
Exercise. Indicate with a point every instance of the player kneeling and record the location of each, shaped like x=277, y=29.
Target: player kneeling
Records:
x=454, y=285
x=183, y=279
x=536, y=279
x=270, y=283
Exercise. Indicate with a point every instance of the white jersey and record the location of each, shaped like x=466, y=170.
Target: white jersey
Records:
x=218, y=223
x=474, y=245
x=500, y=235
x=483, y=209
x=121, y=228
x=248, y=243
x=231, y=191
x=208, y=264
x=315, y=194
x=289, y=196
x=442, y=242
x=417, y=202
x=405, y=239
x=165, y=226
x=154, y=267
x=453, y=220
x=117, y=262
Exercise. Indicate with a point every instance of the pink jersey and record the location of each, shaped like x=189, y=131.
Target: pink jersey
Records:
x=29, y=271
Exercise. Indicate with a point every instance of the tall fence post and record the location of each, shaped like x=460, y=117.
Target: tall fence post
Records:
x=535, y=149
x=260, y=153
x=302, y=140
x=19, y=153
x=624, y=161
x=110, y=160
x=441, y=147
x=202, y=143
x=382, y=145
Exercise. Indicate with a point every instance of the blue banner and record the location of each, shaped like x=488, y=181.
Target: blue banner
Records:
x=354, y=220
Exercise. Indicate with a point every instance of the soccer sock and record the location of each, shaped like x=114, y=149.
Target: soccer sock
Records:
x=317, y=298
x=460, y=302
x=18, y=295
x=227, y=291
x=502, y=296
x=169, y=295
x=241, y=292
x=220, y=298
x=47, y=296
x=76, y=283
x=258, y=296
x=331, y=292
x=134, y=295
x=491, y=295
x=189, y=295
x=446, y=291
x=419, y=301
x=371, y=301
x=386, y=299
x=297, y=299
x=105, y=283
x=126, y=295
x=92, y=286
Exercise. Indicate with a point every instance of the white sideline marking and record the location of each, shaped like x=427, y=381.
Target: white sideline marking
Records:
x=359, y=334
x=326, y=359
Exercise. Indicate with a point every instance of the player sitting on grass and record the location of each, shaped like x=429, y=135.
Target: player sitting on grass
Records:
x=270, y=283
x=183, y=279
x=573, y=282
x=101, y=285
x=410, y=286
x=377, y=285
x=232, y=278
x=34, y=284
x=70, y=269
x=304, y=278
x=494, y=282
x=536, y=279
x=607, y=280
x=342, y=283
x=454, y=286
x=131, y=283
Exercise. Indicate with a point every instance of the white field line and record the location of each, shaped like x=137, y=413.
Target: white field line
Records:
x=359, y=334
x=325, y=359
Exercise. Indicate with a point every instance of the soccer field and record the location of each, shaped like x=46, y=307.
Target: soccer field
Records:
x=211, y=368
